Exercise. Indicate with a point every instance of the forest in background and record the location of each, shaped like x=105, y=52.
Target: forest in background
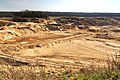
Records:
x=56, y=14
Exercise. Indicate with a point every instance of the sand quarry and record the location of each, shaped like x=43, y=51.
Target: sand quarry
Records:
x=50, y=43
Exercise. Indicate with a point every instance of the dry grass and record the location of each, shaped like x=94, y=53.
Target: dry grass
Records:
x=111, y=72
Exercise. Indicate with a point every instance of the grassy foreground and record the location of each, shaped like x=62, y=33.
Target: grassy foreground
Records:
x=48, y=73
x=9, y=72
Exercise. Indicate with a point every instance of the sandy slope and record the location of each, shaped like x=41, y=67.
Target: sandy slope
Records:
x=61, y=49
x=34, y=44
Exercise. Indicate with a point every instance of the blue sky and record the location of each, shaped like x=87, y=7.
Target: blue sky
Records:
x=62, y=5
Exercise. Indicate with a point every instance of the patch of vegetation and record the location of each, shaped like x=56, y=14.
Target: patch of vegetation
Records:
x=19, y=19
x=113, y=75
x=24, y=15
x=40, y=73
x=31, y=14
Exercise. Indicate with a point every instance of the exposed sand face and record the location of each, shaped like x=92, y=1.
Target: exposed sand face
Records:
x=71, y=51
x=70, y=48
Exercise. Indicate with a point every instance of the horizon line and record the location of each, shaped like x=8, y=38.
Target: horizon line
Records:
x=52, y=11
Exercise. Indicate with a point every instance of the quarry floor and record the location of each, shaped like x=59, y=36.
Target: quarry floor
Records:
x=71, y=48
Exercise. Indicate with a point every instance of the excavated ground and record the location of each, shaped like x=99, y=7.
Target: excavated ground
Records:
x=71, y=48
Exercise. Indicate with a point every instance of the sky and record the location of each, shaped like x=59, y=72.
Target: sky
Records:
x=61, y=5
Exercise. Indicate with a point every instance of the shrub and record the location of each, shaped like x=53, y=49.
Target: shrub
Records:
x=18, y=19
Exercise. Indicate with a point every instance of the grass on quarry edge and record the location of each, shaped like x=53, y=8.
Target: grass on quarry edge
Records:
x=113, y=75
x=112, y=72
x=40, y=73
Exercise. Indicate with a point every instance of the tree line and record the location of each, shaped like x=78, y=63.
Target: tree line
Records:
x=25, y=14
x=31, y=14
x=39, y=14
x=80, y=14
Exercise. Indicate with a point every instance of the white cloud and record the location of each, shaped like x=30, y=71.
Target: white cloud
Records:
x=63, y=5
